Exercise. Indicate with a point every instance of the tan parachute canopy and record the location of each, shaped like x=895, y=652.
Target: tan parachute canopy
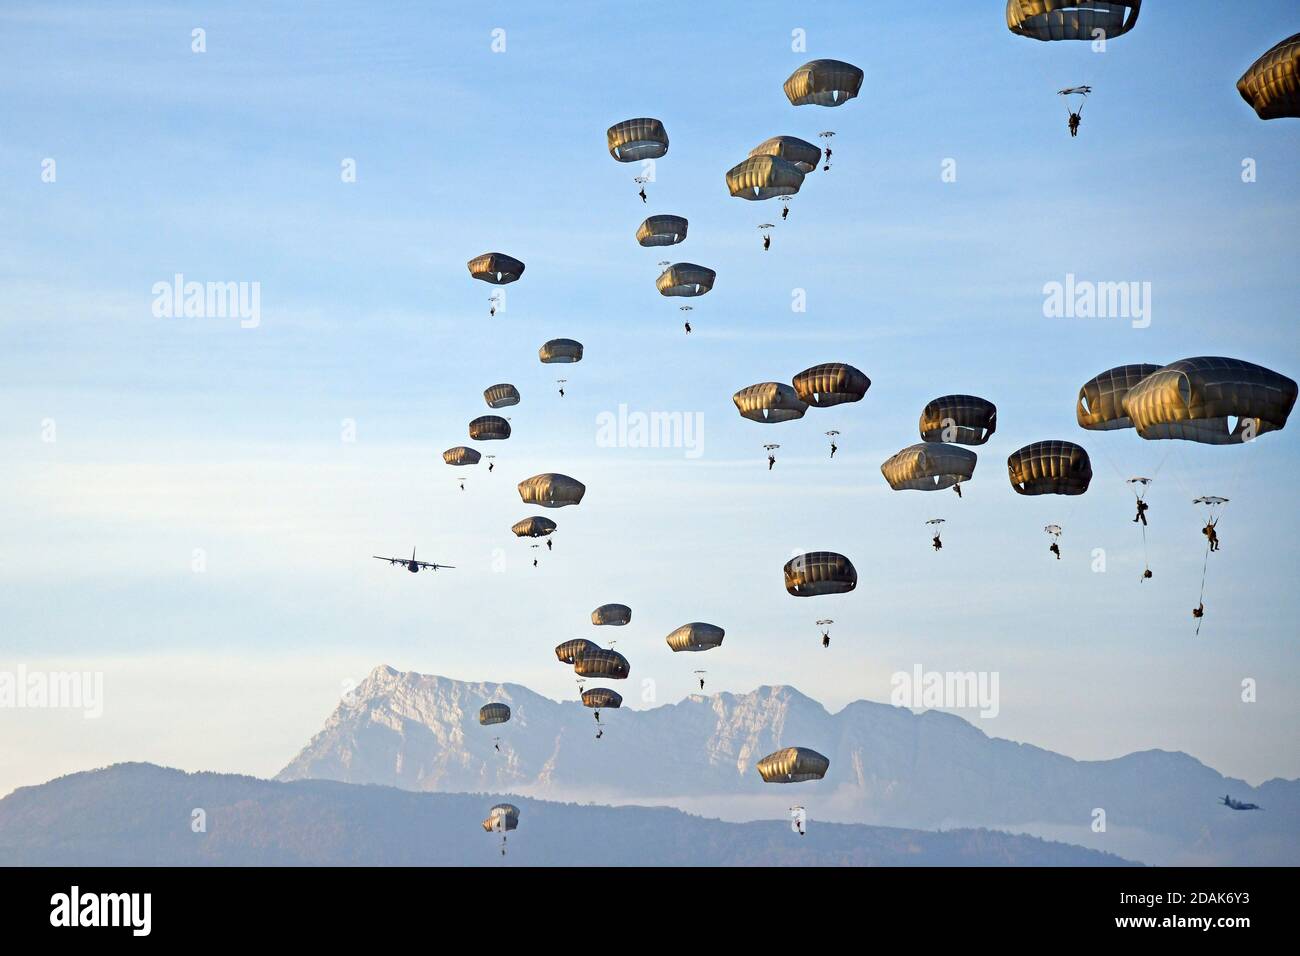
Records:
x=685, y=278
x=764, y=177
x=560, y=351
x=820, y=572
x=504, y=816
x=615, y=615
x=696, y=636
x=793, y=765
x=769, y=402
x=1100, y=407
x=551, y=490
x=534, y=527
x=501, y=396
x=1050, y=468
x=823, y=83
x=460, y=455
x=493, y=714
x=489, y=428
x=1071, y=19
x=929, y=467
x=832, y=383
x=1194, y=399
x=636, y=139
x=804, y=155
x=570, y=651
x=1272, y=84
x=601, y=662
x=602, y=698
x=496, y=267
x=662, y=231
x=971, y=420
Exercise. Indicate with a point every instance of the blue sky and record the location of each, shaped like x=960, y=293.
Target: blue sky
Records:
x=177, y=434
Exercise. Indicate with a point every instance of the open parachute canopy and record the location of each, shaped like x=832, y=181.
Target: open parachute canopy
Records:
x=493, y=713
x=504, y=816
x=496, y=268
x=928, y=467
x=1272, y=84
x=489, y=428
x=964, y=419
x=501, y=396
x=823, y=83
x=602, y=698
x=614, y=615
x=461, y=455
x=818, y=573
x=803, y=155
x=1072, y=19
x=685, y=278
x=551, y=490
x=793, y=765
x=570, y=651
x=560, y=352
x=769, y=402
x=831, y=383
x=636, y=139
x=662, y=231
x=534, y=527
x=764, y=177
x=1050, y=468
x=1101, y=399
x=696, y=636
x=1212, y=400
x=602, y=662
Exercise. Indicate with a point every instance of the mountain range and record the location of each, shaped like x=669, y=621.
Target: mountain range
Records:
x=889, y=767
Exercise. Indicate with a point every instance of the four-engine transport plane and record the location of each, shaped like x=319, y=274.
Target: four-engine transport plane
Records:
x=411, y=564
x=1238, y=805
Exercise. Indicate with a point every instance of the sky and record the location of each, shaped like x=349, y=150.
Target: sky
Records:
x=284, y=455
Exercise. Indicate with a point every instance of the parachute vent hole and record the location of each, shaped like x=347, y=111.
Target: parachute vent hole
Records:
x=1233, y=424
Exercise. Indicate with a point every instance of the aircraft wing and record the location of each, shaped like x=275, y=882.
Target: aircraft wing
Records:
x=378, y=557
x=433, y=566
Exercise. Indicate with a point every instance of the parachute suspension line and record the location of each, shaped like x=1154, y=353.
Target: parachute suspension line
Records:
x=1201, y=600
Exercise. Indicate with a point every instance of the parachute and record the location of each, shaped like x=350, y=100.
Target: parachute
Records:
x=1071, y=19
x=793, y=765
x=615, y=615
x=823, y=83
x=802, y=154
x=460, y=455
x=831, y=383
x=600, y=662
x=929, y=467
x=570, y=651
x=602, y=698
x=1050, y=468
x=819, y=573
x=551, y=490
x=1101, y=399
x=1272, y=84
x=636, y=139
x=769, y=402
x=534, y=527
x=685, y=278
x=964, y=419
x=1195, y=399
x=764, y=177
x=501, y=396
x=1053, y=529
x=489, y=428
x=493, y=714
x=560, y=351
x=662, y=231
x=504, y=816
x=496, y=268
x=696, y=636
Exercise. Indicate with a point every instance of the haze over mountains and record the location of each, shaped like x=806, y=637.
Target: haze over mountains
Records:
x=889, y=767
x=141, y=815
